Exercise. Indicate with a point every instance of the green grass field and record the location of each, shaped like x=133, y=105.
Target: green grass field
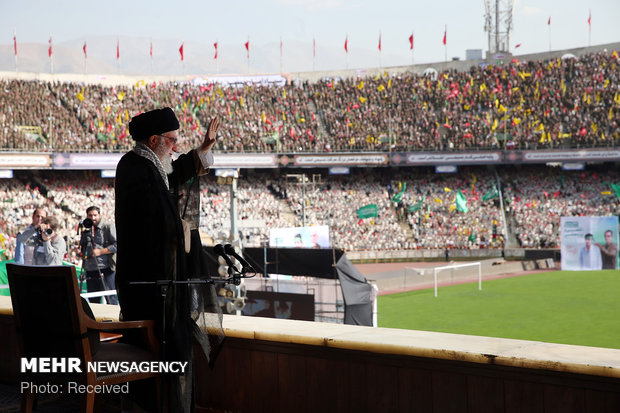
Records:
x=568, y=307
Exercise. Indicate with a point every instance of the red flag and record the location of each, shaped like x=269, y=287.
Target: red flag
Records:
x=549, y=21
x=247, y=48
x=445, y=34
x=590, y=19
x=15, y=44
x=181, y=51
x=346, y=44
x=151, y=50
x=215, y=46
x=280, y=47
x=379, y=41
x=49, y=49
x=84, y=50
x=518, y=45
x=313, y=47
x=411, y=42
x=118, y=50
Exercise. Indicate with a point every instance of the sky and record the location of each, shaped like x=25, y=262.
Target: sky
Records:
x=299, y=22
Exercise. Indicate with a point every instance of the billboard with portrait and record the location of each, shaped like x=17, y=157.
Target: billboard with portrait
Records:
x=589, y=243
x=300, y=237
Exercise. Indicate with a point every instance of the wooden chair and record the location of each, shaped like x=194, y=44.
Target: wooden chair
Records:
x=51, y=322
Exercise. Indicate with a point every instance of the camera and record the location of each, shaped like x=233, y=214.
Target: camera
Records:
x=87, y=223
x=48, y=231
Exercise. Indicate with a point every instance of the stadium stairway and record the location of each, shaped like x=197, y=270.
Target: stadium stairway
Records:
x=511, y=241
x=286, y=212
x=319, y=119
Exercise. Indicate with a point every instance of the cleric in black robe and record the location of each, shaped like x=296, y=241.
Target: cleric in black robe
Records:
x=157, y=211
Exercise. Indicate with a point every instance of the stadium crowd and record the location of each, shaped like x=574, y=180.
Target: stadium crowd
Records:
x=572, y=102
x=415, y=209
x=536, y=198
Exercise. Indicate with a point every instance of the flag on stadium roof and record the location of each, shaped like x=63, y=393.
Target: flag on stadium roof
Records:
x=215, y=46
x=411, y=42
x=118, y=49
x=181, y=51
x=15, y=43
x=445, y=35
x=84, y=50
x=379, y=41
x=49, y=49
x=346, y=44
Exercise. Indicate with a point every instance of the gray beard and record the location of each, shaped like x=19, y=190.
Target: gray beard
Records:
x=164, y=157
x=166, y=162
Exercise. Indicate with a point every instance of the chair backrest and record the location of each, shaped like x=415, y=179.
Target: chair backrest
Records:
x=47, y=311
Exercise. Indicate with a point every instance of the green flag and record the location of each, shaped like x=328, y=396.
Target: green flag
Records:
x=461, y=202
x=367, y=211
x=616, y=188
x=416, y=206
x=399, y=195
x=491, y=194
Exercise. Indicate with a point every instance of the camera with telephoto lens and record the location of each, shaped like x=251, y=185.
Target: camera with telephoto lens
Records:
x=87, y=223
x=48, y=231
x=85, y=226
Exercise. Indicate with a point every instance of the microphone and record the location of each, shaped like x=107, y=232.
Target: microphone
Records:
x=230, y=250
x=219, y=250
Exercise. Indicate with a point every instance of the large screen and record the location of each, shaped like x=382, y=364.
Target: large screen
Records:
x=589, y=243
x=300, y=237
x=279, y=305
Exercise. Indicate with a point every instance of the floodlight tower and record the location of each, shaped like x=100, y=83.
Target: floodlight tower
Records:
x=498, y=24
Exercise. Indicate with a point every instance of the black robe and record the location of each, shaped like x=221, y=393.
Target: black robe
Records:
x=151, y=247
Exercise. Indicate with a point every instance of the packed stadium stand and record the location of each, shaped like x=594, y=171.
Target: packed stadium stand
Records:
x=571, y=102
x=505, y=110
x=425, y=217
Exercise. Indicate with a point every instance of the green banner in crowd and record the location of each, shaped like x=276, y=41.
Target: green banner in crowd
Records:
x=616, y=188
x=367, y=211
x=417, y=205
x=461, y=202
x=491, y=194
x=399, y=195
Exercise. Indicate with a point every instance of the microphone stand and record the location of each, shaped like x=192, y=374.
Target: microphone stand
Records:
x=164, y=286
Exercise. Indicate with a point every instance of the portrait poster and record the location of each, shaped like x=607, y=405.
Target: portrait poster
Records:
x=589, y=243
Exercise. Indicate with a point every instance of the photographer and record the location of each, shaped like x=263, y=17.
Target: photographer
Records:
x=24, y=248
x=98, y=246
x=49, y=247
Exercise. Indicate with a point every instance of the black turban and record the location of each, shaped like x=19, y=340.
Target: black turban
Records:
x=151, y=123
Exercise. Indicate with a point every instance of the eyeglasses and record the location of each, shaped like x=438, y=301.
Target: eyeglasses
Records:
x=173, y=140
